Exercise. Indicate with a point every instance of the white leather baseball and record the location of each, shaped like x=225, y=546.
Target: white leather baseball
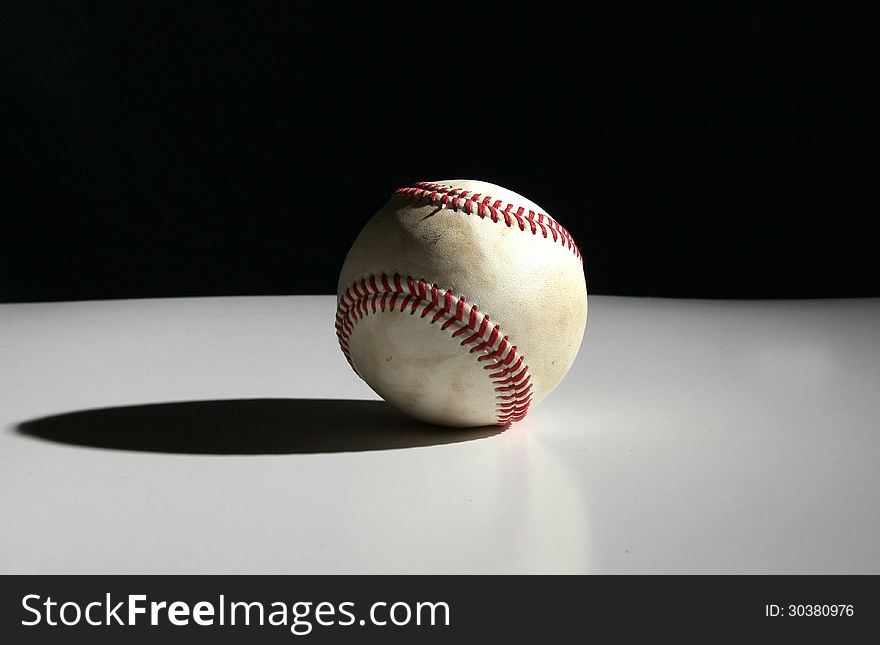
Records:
x=462, y=303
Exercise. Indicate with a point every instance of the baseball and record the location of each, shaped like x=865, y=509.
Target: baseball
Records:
x=462, y=303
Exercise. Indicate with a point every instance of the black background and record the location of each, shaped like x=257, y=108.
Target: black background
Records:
x=204, y=149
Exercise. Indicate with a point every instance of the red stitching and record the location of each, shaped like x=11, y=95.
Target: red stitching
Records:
x=509, y=375
x=457, y=199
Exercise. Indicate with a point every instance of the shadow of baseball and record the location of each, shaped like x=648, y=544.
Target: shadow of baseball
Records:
x=247, y=427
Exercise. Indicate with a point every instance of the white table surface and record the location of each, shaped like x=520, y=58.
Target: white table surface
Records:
x=689, y=437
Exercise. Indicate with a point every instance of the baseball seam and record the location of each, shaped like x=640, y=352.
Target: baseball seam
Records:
x=483, y=206
x=383, y=293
